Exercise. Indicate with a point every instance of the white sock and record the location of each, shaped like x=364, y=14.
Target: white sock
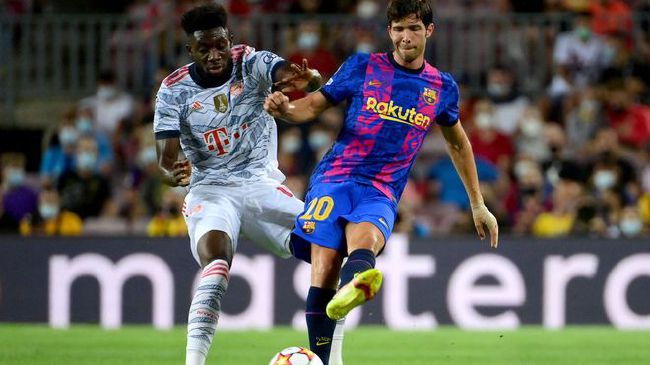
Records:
x=336, y=353
x=204, y=311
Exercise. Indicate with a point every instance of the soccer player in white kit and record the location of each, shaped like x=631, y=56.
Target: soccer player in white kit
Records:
x=212, y=109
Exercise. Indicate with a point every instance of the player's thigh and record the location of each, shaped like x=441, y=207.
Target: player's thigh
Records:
x=371, y=222
x=320, y=222
x=269, y=216
x=210, y=212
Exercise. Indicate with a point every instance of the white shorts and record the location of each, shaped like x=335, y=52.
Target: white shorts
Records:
x=265, y=212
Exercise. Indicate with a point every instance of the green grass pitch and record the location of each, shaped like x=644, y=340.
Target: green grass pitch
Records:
x=135, y=345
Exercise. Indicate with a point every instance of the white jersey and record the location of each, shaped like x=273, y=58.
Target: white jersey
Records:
x=224, y=131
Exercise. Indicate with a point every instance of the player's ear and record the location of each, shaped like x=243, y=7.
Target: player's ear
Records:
x=188, y=47
x=430, y=29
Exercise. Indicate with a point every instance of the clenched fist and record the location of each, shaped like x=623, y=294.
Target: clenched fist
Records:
x=182, y=172
x=276, y=104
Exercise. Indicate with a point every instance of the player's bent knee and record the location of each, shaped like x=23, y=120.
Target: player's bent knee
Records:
x=215, y=245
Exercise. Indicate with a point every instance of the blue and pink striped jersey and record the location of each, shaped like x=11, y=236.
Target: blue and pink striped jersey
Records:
x=390, y=111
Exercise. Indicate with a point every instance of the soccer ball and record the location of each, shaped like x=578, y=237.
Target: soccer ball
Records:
x=295, y=356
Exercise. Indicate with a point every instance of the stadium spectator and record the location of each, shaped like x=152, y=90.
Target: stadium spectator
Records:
x=558, y=221
x=579, y=57
x=630, y=223
x=509, y=103
x=527, y=140
x=487, y=141
x=559, y=160
x=526, y=198
x=605, y=147
x=583, y=118
x=51, y=219
x=18, y=198
x=448, y=186
x=84, y=191
x=610, y=17
x=59, y=157
x=169, y=221
x=85, y=126
x=630, y=120
x=110, y=106
x=311, y=46
x=149, y=186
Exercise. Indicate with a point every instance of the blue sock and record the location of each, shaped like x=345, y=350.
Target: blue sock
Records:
x=319, y=325
x=359, y=261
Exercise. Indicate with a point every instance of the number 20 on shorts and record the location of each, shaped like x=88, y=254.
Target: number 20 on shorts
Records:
x=319, y=208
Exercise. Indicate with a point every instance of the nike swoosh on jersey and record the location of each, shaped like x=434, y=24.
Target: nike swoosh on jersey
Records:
x=382, y=221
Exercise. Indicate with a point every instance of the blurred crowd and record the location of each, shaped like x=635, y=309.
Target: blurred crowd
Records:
x=573, y=159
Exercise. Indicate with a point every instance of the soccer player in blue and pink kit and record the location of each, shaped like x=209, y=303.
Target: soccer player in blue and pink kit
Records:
x=393, y=100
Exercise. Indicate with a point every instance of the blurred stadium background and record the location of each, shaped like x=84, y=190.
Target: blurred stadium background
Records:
x=555, y=98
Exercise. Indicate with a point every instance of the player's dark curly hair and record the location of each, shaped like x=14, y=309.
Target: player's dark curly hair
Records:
x=204, y=17
x=399, y=9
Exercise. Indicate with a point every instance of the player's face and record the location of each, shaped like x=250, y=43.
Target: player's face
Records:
x=409, y=36
x=211, y=50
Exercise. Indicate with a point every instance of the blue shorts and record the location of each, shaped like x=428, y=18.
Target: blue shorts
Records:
x=328, y=209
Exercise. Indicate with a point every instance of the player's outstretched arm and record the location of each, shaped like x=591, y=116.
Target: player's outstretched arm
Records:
x=460, y=151
x=173, y=171
x=298, y=111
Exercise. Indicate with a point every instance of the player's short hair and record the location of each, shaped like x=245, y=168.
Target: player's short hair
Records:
x=400, y=9
x=204, y=17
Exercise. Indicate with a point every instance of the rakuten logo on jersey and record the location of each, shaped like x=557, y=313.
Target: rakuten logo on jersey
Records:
x=396, y=113
x=221, y=139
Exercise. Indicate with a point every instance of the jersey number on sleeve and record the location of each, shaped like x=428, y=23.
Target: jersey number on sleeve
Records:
x=319, y=209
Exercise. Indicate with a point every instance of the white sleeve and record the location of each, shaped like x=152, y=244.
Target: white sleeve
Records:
x=167, y=116
x=262, y=65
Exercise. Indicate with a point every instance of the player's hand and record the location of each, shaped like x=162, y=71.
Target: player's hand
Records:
x=276, y=104
x=182, y=172
x=483, y=218
x=299, y=78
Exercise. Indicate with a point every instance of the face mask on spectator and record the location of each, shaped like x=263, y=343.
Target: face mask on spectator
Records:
x=84, y=125
x=583, y=32
x=364, y=47
x=15, y=177
x=86, y=161
x=522, y=168
x=498, y=90
x=68, y=136
x=483, y=121
x=106, y=92
x=367, y=9
x=48, y=210
x=604, y=179
x=308, y=41
x=630, y=227
x=318, y=140
x=291, y=144
x=531, y=127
